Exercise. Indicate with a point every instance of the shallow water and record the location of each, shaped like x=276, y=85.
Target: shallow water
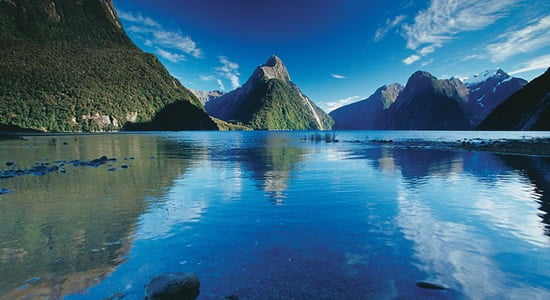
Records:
x=274, y=215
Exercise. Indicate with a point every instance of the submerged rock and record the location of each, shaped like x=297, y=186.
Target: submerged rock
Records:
x=180, y=286
x=4, y=191
x=430, y=285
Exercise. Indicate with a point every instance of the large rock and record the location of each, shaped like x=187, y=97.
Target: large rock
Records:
x=173, y=286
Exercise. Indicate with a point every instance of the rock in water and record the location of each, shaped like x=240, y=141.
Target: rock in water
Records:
x=429, y=285
x=173, y=286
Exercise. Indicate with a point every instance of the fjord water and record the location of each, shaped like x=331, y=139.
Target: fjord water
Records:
x=274, y=215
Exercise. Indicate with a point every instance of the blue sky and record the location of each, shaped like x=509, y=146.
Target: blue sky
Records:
x=339, y=51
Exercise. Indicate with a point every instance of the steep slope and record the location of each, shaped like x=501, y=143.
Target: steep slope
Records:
x=369, y=113
x=69, y=66
x=527, y=109
x=427, y=103
x=270, y=101
x=487, y=90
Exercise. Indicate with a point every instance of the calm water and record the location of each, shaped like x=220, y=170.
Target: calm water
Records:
x=269, y=215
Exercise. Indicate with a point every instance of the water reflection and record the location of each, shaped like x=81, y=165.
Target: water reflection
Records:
x=63, y=232
x=451, y=205
x=269, y=160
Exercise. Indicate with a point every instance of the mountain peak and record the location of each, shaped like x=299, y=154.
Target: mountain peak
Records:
x=421, y=74
x=273, y=68
x=480, y=77
x=273, y=61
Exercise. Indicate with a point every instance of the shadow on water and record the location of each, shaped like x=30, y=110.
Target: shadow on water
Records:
x=63, y=232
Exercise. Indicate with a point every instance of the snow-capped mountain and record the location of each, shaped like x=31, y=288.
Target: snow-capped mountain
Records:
x=487, y=90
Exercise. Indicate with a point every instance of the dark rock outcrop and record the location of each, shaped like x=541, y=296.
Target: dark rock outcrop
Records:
x=173, y=286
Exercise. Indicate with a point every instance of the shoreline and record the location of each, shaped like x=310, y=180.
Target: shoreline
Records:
x=534, y=146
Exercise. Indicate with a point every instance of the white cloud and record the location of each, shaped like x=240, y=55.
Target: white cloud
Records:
x=137, y=18
x=207, y=77
x=425, y=63
x=470, y=57
x=538, y=63
x=390, y=24
x=444, y=19
x=154, y=34
x=229, y=70
x=411, y=59
x=177, y=41
x=337, y=76
x=332, y=105
x=427, y=50
x=170, y=56
x=532, y=37
x=220, y=84
x=227, y=65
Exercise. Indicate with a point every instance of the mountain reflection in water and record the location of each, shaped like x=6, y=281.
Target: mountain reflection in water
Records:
x=70, y=230
x=268, y=215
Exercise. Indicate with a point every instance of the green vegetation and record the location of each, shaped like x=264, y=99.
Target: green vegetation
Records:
x=63, y=227
x=275, y=105
x=69, y=66
x=226, y=126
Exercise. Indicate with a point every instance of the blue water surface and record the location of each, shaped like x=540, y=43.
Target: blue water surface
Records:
x=282, y=215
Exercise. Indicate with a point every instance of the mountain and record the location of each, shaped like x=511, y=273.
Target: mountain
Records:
x=487, y=90
x=205, y=96
x=527, y=109
x=369, y=113
x=69, y=66
x=427, y=103
x=270, y=100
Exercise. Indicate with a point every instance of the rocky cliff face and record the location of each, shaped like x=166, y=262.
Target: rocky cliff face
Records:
x=205, y=96
x=269, y=100
x=69, y=66
x=527, y=109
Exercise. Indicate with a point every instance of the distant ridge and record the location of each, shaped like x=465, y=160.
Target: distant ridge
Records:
x=430, y=103
x=367, y=114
